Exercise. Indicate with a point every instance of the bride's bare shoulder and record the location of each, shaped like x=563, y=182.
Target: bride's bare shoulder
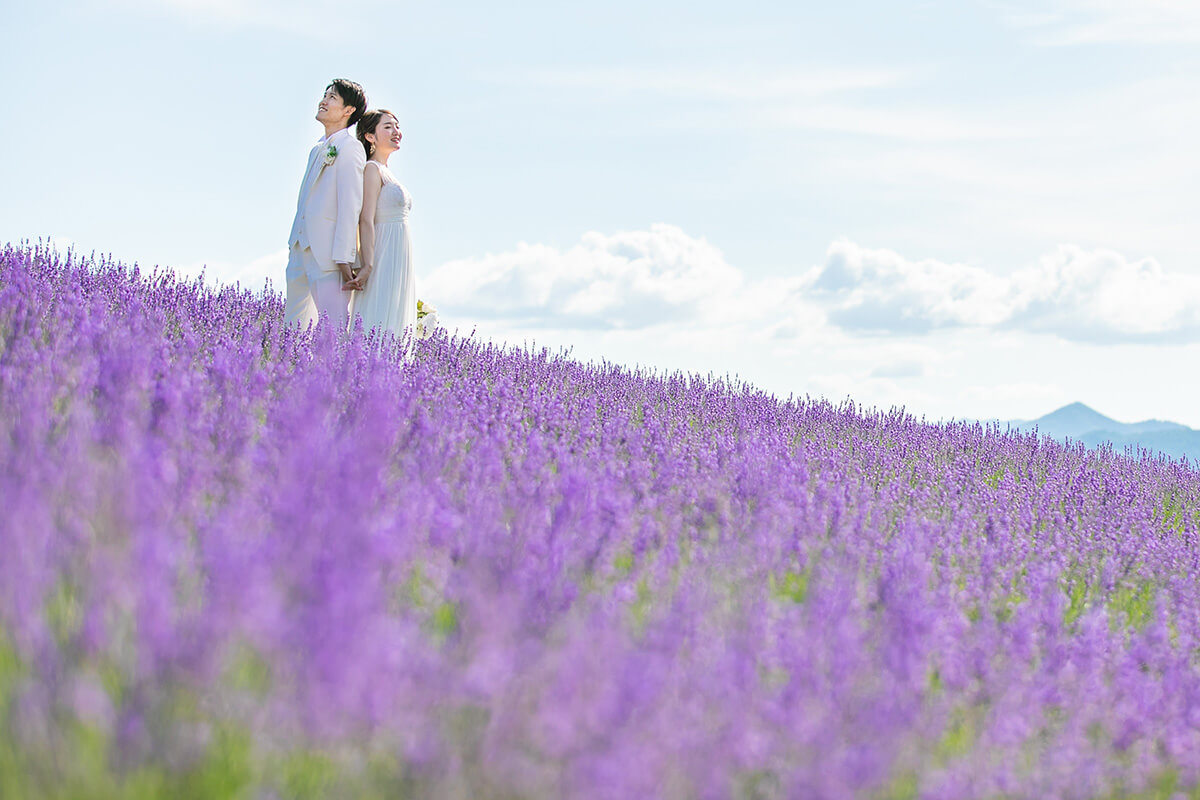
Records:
x=378, y=170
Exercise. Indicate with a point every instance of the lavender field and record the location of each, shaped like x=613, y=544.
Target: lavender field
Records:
x=238, y=560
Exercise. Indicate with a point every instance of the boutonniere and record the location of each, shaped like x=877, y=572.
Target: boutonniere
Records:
x=330, y=155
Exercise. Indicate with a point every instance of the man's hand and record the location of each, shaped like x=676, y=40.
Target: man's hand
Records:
x=347, y=273
x=359, y=282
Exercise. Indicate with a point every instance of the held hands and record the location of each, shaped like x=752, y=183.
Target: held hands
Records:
x=347, y=272
x=357, y=282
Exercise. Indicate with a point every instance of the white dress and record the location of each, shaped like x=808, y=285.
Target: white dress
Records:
x=389, y=301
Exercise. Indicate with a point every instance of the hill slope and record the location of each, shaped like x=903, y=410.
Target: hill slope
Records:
x=242, y=560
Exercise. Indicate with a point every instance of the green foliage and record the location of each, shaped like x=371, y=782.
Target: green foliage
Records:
x=444, y=619
x=249, y=671
x=791, y=586
x=223, y=770
x=11, y=670
x=960, y=735
x=310, y=774
x=904, y=786
x=757, y=785
x=1006, y=605
x=640, y=608
x=417, y=591
x=64, y=612
x=1165, y=786
x=1132, y=605
x=226, y=770
x=1079, y=594
x=1172, y=512
x=993, y=479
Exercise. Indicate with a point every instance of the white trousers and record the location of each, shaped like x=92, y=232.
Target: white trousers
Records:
x=311, y=292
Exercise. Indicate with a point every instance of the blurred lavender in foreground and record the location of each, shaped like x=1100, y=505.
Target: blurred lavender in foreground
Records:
x=238, y=560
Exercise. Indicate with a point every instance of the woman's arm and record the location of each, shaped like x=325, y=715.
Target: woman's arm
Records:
x=372, y=185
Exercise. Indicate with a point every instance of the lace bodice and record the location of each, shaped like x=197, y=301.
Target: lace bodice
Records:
x=394, y=200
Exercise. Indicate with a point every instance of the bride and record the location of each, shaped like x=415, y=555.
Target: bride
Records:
x=386, y=296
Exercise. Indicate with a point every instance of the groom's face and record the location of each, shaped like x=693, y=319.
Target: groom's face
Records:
x=333, y=109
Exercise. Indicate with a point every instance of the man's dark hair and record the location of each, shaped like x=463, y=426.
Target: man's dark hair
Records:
x=352, y=94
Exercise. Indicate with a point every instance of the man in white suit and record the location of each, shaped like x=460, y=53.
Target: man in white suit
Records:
x=324, y=240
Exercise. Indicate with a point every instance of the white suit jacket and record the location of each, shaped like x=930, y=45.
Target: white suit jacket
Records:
x=330, y=200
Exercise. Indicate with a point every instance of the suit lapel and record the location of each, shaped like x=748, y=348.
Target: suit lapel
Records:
x=310, y=175
x=323, y=149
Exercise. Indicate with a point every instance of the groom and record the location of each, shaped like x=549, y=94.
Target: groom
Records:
x=324, y=237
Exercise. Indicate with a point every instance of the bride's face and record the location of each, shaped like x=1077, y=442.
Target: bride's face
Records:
x=387, y=133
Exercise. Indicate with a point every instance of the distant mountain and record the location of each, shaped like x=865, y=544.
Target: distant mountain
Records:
x=1080, y=423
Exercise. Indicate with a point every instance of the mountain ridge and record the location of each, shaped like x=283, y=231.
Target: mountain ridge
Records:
x=1079, y=422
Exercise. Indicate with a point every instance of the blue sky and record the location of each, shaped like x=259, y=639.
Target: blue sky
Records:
x=972, y=208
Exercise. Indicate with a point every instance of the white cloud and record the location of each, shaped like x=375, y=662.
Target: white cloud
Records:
x=899, y=369
x=251, y=275
x=908, y=124
x=1076, y=294
x=727, y=85
x=304, y=17
x=666, y=280
x=960, y=341
x=817, y=98
x=632, y=279
x=1101, y=296
x=878, y=291
x=1079, y=22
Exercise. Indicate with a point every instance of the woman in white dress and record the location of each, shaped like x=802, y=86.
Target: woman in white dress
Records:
x=386, y=292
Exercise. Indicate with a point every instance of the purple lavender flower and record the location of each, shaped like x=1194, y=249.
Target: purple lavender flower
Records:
x=238, y=557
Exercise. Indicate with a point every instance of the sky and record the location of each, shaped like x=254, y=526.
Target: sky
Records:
x=969, y=208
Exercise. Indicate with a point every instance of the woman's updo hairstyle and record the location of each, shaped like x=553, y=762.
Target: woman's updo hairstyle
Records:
x=368, y=124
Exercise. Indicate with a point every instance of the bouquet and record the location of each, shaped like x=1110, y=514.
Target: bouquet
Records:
x=427, y=319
